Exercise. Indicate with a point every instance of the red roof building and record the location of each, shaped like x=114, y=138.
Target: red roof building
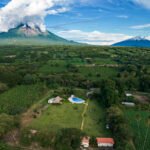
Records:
x=105, y=142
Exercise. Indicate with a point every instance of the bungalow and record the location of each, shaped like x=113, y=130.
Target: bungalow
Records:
x=85, y=142
x=56, y=100
x=105, y=142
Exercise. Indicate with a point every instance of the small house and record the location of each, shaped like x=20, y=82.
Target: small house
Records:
x=85, y=142
x=105, y=142
x=56, y=100
x=129, y=104
x=128, y=95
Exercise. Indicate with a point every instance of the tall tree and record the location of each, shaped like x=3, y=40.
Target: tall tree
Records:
x=109, y=93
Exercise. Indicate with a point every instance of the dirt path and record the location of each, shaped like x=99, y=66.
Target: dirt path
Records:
x=83, y=114
x=12, y=138
x=102, y=65
x=144, y=99
x=28, y=116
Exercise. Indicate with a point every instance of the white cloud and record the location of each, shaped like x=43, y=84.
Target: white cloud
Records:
x=32, y=12
x=140, y=26
x=94, y=37
x=148, y=37
x=145, y=3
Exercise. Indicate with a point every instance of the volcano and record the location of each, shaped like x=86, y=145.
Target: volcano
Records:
x=134, y=42
x=27, y=35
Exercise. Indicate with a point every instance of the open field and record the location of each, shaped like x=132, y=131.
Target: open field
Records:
x=54, y=66
x=57, y=117
x=139, y=125
x=95, y=120
x=69, y=115
x=98, y=72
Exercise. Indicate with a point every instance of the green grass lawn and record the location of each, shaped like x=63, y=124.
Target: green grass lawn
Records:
x=95, y=72
x=56, y=117
x=59, y=66
x=139, y=132
x=76, y=61
x=94, y=120
x=53, y=67
x=18, y=99
x=104, y=61
x=69, y=115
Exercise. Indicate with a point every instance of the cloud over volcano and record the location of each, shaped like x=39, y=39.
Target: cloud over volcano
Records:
x=31, y=12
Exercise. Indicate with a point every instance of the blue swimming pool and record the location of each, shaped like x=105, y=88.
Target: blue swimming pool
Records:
x=76, y=100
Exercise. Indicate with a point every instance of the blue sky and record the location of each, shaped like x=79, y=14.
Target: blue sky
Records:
x=101, y=22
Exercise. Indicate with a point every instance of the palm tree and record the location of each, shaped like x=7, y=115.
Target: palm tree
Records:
x=147, y=130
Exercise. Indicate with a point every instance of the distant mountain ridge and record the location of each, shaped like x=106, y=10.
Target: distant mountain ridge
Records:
x=27, y=35
x=134, y=42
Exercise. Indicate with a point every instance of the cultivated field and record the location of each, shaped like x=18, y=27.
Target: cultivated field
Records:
x=20, y=98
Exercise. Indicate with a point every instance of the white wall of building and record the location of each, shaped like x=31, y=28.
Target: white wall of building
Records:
x=105, y=145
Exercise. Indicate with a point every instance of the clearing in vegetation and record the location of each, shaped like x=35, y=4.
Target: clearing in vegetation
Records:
x=69, y=115
x=35, y=110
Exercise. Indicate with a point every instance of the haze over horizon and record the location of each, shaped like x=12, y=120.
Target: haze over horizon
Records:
x=100, y=22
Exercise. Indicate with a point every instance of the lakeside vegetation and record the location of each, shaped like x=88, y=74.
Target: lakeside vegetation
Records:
x=28, y=73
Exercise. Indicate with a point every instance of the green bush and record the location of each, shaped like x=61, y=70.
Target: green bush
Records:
x=119, y=127
x=68, y=139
